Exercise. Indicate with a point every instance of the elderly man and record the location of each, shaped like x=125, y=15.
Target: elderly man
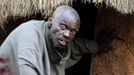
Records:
x=46, y=48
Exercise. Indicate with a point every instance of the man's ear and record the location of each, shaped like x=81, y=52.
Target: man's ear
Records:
x=50, y=22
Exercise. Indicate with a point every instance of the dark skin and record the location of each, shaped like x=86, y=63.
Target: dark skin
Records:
x=65, y=23
x=63, y=27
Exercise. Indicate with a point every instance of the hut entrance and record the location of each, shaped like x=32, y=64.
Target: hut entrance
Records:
x=87, y=14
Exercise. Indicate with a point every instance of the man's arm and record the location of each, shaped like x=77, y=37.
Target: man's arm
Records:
x=101, y=44
x=85, y=46
x=27, y=62
x=79, y=47
x=28, y=50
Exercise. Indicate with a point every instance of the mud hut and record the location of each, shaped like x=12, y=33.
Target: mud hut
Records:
x=96, y=15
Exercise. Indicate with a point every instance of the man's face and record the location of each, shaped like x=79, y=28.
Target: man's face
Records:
x=63, y=29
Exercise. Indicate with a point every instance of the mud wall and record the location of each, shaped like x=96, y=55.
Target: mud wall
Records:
x=119, y=61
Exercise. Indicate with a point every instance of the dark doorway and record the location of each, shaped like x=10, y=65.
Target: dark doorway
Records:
x=87, y=14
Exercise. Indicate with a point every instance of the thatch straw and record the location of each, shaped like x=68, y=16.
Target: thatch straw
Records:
x=28, y=7
x=123, y=6
x=97, y=1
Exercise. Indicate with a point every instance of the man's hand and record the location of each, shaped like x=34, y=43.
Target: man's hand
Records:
x=4, y=67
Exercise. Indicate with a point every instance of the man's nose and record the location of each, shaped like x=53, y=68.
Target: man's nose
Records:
x=67, y=34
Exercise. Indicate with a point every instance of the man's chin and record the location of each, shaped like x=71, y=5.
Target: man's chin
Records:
x=59, y=46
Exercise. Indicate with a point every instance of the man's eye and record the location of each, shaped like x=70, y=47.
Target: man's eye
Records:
x=73, y=32
x=62, y=26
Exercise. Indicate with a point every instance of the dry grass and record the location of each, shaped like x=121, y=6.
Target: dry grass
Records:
x=124, y=6
x=28, y=7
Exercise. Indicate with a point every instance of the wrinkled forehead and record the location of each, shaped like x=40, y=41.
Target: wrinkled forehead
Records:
x=68, y=16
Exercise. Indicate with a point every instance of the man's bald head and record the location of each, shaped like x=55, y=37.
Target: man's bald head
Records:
x=66, y=11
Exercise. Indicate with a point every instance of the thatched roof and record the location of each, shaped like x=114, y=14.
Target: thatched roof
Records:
x=26, y=8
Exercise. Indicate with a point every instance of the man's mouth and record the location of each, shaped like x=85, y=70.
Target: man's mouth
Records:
x=62, y=43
